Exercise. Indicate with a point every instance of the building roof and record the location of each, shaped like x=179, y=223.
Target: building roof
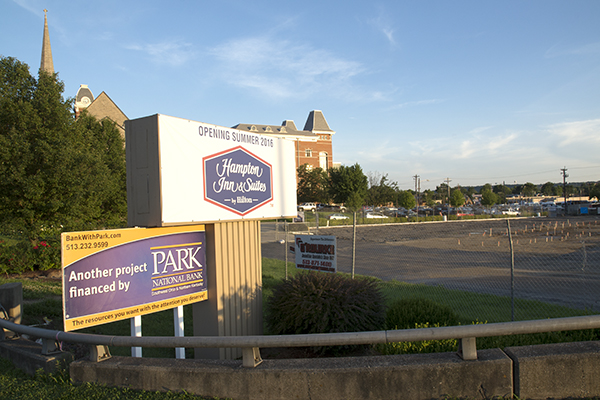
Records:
x=289, y=124
x=84, y=98
x=46, y=64
x=315, y=124
x=103, y=107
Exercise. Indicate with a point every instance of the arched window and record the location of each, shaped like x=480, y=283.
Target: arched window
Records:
x=323, y=160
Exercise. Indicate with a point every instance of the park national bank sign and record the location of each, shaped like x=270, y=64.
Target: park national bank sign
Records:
x=206, y=173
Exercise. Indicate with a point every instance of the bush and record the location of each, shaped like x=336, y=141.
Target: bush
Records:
x=412, y=312
x=323, y=303
x=19, y=256
x=424, y=346
x=15, y=258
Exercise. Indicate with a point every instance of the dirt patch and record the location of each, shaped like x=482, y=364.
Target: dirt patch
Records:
x=51, y=274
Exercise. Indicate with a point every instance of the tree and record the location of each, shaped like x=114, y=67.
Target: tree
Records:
x=485, y=187
x=529, y=189
x=488, y=198
x=442, y=191
x=56, y=172
x=312, y=184
x=570, y=190
x=406, y=200
x=348, y=185
x=470, y=192
x=595, y=191
x=518, y=189
x=428, y=197
x=457, y=198
x=381, y=191
x=558, y=190
x=547, y=189
x=502, y=191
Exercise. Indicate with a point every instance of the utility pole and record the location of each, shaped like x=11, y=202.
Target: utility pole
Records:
x=565, y=175
x=417, y=189
x=448, y=180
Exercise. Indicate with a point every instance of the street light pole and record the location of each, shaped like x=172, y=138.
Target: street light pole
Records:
x=417, y=189
x=448, y=180
x=565, y=175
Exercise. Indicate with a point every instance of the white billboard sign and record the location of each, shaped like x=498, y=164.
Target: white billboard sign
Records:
x=206, y=173
x=317, y=253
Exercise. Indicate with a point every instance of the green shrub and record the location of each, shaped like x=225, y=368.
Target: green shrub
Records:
x=16, y=257
x=20, y=255
x=424, y=346
x=322, y=303
x=410, y=312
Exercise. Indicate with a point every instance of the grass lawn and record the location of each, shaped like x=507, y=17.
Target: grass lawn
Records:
x=15, y=384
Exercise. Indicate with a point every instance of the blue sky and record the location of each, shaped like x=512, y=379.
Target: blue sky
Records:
x=474, y=91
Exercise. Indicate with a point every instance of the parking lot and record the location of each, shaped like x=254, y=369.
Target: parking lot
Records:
x=557, y=260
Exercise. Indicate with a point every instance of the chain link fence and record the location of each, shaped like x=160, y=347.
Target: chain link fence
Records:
x=491, y=270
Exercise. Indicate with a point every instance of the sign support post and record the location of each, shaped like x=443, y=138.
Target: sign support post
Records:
x=136, y=330
x=178, y=324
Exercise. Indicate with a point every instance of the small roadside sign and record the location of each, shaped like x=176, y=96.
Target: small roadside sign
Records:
x=316, y=253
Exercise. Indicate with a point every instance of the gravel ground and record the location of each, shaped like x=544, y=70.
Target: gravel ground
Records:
x=557, y=260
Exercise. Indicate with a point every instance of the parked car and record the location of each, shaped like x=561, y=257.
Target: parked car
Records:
x=510, y=211
x=375, y=215
x=337, y=216
x=307, y=207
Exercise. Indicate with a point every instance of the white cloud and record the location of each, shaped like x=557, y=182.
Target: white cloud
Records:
x=586, y=132
x=381, y=23
x=416, y=103
x=174, y=53
x=281, y=68
x=563, y=50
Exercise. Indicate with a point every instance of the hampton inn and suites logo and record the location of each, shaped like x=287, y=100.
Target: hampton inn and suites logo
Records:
x=237, y=180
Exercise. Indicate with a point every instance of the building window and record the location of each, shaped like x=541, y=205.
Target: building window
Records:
x=308, y=153
x=323, y=160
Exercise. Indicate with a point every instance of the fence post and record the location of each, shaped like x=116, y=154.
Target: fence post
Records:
x=353, y=244
x=467, y=348
x=286, y=250
x=512, y=272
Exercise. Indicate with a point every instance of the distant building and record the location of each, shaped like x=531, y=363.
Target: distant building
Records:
x=46, y=64
x=313, y=144
x=102, y=107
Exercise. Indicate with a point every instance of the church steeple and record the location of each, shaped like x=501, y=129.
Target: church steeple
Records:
x=47, y=64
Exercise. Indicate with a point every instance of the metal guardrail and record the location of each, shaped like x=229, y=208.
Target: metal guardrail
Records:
x=250, y=345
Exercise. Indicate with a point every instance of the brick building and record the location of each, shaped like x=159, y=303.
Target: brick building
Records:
x=313, y=144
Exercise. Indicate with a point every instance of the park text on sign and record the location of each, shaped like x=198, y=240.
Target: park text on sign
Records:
x=237, y=180
x=117, y=274
x=317, y=253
